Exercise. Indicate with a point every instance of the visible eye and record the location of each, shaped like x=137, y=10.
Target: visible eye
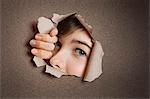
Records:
x=80, y=52
x=58, y=45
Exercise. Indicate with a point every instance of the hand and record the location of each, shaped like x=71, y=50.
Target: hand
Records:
x=43, y=44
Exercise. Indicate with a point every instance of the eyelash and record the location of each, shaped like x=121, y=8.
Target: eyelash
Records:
x=78, y=51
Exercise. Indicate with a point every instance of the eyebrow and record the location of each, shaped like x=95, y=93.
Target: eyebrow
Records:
x=81, y=42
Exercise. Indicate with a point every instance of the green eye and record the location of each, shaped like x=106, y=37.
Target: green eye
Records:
x=80, y=52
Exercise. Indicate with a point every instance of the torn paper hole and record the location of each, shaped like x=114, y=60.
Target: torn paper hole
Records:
x=94, y=68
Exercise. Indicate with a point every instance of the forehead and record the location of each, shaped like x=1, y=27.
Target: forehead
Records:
x=79, y=34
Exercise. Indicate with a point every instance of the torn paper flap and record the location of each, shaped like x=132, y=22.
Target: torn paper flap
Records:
x=82, y=21
x=57, y=18
x=53, y=71
x=39, y=62
x=44, y=25
x=94, y=67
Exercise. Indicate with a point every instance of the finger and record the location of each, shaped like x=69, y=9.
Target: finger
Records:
x=46, y=38
x=53, y=32
x=42, y=45
x=41, y=53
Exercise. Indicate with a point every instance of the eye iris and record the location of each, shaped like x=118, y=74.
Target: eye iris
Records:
x=80, y=52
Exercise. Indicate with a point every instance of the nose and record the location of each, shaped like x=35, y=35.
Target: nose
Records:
x=59, y=60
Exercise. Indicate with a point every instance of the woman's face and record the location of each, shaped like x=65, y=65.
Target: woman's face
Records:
x=72, y=52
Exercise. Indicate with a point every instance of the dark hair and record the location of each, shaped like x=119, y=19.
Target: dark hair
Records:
x=69, y=25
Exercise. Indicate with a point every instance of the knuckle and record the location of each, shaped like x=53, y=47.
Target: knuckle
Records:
x=44, y=54
x=47, y=38
x=51, y=46
x=56, y=39
x=38, y=44
x=40, y=53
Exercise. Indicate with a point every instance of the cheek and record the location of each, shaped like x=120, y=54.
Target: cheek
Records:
x=76, y=66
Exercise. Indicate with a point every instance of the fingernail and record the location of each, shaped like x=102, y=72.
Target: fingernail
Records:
x=32, y=42
x=38, y=37
x=34, y=51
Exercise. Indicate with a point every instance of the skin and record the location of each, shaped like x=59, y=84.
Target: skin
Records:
x=70, y=53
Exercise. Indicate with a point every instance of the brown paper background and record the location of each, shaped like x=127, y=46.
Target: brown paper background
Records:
x=120, y=25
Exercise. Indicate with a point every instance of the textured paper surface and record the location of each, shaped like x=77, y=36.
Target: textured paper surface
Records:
x=120, y=26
